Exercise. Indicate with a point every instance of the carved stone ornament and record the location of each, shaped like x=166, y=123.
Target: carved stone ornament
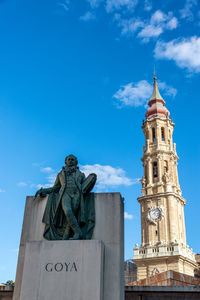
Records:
x=166, y=177
x=143, y=182
x=155, y=271
x=155, y=214
x=159, y=157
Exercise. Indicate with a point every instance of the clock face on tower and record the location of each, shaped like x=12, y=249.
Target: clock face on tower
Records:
x=154, y=213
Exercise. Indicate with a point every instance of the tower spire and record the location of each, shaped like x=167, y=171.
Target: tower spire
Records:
x=156, y=103
x=156, y=93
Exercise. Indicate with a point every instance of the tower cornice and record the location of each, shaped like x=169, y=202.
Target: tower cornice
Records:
x=151, y=120
x=157, y=152
x=159, y=195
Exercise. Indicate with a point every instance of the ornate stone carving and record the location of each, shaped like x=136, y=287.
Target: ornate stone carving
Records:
x=166, y=177
x=155, y=271
x=143, y=182
x=159, y=157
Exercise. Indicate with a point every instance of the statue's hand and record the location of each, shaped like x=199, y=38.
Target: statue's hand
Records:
x=40, y=193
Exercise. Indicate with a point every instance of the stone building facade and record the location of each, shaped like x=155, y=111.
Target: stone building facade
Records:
x=130, y=272
x=163, y=244
x=6, y=292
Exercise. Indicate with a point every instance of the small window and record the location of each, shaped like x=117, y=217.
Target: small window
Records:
x=155, y=169
x=153, y=134
x=156, y=232
x=162, y=133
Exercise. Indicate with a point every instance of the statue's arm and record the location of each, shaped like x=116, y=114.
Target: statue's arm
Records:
x=43, y=192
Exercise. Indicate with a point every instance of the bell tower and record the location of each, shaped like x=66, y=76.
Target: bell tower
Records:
x=163, y=246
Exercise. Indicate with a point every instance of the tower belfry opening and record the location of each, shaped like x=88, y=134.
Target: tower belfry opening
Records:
x=163, y=245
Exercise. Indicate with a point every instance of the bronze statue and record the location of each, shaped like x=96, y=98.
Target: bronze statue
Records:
x=69, y=212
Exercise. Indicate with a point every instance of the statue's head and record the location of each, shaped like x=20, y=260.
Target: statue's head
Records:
x=71, y=160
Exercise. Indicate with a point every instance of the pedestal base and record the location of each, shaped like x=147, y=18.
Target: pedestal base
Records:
x=64, y=270
x=109, y=229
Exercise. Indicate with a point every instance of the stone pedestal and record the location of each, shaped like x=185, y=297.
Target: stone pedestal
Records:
x=108, y=234
x=63, y=270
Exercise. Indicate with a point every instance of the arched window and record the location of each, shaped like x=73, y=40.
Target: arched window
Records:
x=153, y=134
x=155, y=169
x=162, y=133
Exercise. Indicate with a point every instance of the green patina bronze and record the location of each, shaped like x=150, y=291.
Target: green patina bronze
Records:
x=69, y=212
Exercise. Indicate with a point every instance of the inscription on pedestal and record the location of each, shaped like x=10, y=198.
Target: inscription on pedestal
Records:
x=61, y=267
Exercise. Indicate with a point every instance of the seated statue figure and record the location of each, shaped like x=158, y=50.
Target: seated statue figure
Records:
x=69, y=212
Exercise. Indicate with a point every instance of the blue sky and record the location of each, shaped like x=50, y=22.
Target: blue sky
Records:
x=75, y=77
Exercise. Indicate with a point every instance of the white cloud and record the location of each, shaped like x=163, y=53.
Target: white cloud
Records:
x=128, y=216
x=88, y=16
x=172, y=24
x=185, y=52
x=50, y=181
x=186, y=12
x=139, y=93
x=147, y=5
x=133, y=94
x=158, y=17
x=46, y=170
x=51, y=178
x=128, y=26
x=2, y=191
x=112, y=5
x=65, y=4
x=168, y=89
x=108, y=176
x=155, y=26
x=118, y=4
x=95, y=3
x=22, y=184
x=150, y=31
x=158, y=23
x=44, y=186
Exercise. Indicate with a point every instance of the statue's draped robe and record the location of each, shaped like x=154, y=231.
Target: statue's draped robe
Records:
x=54, y=217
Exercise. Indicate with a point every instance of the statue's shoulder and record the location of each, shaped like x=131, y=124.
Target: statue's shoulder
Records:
x=61, y=172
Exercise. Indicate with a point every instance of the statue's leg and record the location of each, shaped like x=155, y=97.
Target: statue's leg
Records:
x=76, y=203
x=71, y=219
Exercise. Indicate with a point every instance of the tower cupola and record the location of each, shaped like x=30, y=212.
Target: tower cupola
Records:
x=156, y=104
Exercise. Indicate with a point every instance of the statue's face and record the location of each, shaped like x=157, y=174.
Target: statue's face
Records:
x=71, y=161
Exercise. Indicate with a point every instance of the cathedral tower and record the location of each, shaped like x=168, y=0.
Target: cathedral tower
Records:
x=163, y=245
